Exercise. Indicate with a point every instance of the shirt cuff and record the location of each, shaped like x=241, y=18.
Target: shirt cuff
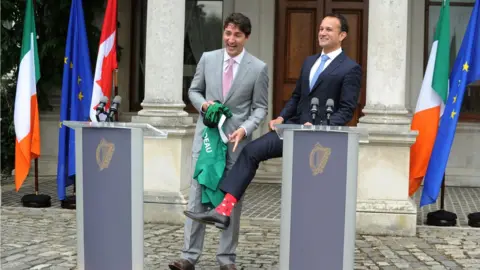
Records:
x=202, y=113
x=246, y=134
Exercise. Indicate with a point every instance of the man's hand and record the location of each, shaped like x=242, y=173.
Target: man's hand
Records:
x=236, y=137
x=307, y=124
x=277, y=121
x=205, y=105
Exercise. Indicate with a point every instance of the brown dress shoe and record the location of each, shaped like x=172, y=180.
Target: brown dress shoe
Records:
x=228, y=267
x=181, y=264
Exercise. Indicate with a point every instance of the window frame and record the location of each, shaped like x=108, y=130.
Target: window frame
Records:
x=227, y=8
x=464, y=116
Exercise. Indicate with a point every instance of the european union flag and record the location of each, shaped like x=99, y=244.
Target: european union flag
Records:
x=466, y=70
x=76, y=95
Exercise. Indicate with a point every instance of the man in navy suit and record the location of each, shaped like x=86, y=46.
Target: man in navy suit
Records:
x=328, y=75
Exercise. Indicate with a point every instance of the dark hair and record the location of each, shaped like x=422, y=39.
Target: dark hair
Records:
x=241, y=21
x=342, y=19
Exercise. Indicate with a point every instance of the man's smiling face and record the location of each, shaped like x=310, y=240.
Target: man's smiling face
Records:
x=234, y=39
x=330, y=35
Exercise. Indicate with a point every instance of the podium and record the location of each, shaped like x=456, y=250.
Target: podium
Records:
x=319, y=193
x=109, y=193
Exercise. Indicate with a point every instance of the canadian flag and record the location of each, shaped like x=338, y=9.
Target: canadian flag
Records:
x=106, y=59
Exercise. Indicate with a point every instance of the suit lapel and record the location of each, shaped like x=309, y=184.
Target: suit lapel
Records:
x=241, y=72
x=331, y=67
x=306, y=77
x=219, y=74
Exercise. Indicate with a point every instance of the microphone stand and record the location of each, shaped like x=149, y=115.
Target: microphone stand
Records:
x=328, y=113
x=112, y=118
x=314, y=114
x=107, y=119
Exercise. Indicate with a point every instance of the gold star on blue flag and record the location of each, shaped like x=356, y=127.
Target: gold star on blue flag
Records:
x=465, y=71
x=77, y=85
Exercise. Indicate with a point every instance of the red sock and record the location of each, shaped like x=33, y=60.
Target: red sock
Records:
x=226, y=206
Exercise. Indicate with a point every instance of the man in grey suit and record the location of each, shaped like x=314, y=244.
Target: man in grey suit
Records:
x=240, y=81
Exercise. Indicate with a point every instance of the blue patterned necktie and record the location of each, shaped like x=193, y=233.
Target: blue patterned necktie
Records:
x=324, y=59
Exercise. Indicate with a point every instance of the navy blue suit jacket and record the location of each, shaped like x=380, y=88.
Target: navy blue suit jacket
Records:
x=340, y=81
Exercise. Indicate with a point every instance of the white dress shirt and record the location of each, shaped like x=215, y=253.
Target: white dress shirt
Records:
x=237, y=60
x=331, y=56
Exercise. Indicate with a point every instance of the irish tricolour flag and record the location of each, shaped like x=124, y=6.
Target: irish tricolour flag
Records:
x=26, y=121
x=431, y=100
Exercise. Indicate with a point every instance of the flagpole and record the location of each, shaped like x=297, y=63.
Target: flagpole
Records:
x=115, y=84
x=36, y=159
x=442, y=194
x=36, y=200
x=115, y=72
x=442, y=217
x=36, y=176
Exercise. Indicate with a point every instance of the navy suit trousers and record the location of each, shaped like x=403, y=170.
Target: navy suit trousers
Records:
x=239, y=177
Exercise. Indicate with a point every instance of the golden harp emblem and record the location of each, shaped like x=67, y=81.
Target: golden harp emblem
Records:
x=318, y=158
x=104, y=154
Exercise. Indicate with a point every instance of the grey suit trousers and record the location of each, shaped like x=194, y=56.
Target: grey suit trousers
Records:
x=194, y=232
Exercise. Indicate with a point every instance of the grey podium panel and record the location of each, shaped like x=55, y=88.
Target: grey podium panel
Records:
x=110, y=233
x=318, y=225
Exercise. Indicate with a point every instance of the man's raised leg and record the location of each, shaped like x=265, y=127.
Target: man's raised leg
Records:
x=241, y=175
x=234, y=185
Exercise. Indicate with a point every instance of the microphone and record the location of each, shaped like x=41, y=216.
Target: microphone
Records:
x=114, y=108
x=329, y=109
x=314, y=109
x=101, y=107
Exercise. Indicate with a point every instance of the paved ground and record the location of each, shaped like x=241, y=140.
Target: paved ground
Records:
x=46, y=239
x=263, y=200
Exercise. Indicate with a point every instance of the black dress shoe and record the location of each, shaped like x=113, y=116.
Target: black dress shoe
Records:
x=181, y=264
x=211, y=217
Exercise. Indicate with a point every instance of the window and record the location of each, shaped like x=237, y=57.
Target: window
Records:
x=460, y=12
x=137, y=65
x=203, y=32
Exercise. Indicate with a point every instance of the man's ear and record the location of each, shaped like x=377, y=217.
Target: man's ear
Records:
x=343, y=35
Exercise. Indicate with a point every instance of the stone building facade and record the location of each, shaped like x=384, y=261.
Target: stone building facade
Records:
x=162, y=41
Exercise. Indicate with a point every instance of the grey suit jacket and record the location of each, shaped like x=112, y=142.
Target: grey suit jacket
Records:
x=247, y=98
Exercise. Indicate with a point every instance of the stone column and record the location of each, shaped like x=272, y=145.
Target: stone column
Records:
x=383, y=205
x=167, y=162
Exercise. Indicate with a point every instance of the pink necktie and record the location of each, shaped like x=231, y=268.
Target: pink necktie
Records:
x=228, y=77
